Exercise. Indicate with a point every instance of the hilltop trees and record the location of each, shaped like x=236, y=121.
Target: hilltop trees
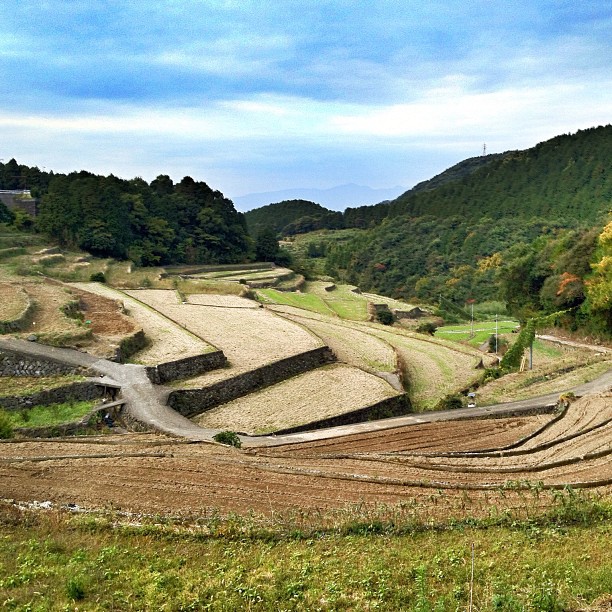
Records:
x=152, y=224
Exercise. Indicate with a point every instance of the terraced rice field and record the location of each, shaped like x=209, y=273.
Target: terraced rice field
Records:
x=47, y=319
x=221, y=301
x=408, y=470
x=350, y=344
x=249, y=337
x=168, y=341
x=14, y=301
x=431, y=368
x=319, y=394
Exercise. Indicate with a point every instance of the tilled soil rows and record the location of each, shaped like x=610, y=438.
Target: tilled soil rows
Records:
x=155, y=474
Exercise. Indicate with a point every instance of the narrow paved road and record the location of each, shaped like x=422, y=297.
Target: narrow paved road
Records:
x=146, y=402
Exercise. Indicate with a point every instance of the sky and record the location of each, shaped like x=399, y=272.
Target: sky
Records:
x=253, y=96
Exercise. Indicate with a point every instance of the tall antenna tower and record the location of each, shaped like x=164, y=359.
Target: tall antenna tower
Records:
x=484, y=149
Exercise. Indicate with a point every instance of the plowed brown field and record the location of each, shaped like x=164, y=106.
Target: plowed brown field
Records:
x=409, y=466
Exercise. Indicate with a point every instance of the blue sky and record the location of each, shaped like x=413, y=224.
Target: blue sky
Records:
x=265, y=95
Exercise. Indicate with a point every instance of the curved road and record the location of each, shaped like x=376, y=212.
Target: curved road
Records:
x=146, y=402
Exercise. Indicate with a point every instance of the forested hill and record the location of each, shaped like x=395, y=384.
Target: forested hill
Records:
x=567, y=176
x=531, y=228
x=292, y=217
x=156, y=223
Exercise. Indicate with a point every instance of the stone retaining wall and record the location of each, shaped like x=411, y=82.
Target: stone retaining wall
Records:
x=190, y=402
x=388, y=408
x=78, y=391
x=14, y=364
x=186, y=368
x=130, y=345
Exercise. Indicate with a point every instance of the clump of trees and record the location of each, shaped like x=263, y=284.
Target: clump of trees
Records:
x=151, y=224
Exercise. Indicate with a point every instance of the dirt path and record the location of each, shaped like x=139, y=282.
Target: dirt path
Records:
x=591, y=347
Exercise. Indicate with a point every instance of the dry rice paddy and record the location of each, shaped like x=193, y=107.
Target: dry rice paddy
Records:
x=250, y=338
x=168, y=341
x=319, y=394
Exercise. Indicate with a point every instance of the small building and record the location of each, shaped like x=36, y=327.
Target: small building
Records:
x=19, y=199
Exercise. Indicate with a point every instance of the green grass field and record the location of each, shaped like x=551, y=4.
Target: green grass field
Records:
x=475, y=334
x=45, y=416
x=52, y=561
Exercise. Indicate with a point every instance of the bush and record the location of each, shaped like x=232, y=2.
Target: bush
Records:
x=97, y=277
x=501, y=345
x=228, y=437
x=385, y=317
x=75, y=589
x=450, y=402
x=427, y=328
x=6, y=427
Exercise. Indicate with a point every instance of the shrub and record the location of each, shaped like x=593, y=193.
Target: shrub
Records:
x=6, y=427
x=385, y=317
x=501, y=344
x=97, y=277
x=75, y=589
x=230, y=438
x=450, y=402
x=427, y=328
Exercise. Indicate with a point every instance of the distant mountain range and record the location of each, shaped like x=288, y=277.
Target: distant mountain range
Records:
x=335, y=198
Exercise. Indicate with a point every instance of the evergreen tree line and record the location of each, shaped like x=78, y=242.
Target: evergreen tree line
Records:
x=567, y=176
x=151, y=224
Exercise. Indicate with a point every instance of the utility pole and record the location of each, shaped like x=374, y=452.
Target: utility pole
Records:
x=471, y=303
x=496, y=331
x=484, y=149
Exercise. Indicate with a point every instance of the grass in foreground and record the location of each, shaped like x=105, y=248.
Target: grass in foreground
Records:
x=53, y=561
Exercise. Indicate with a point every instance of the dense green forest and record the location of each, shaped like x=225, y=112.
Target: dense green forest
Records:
x=156, y=223
x=530, y=228
x=292, y=217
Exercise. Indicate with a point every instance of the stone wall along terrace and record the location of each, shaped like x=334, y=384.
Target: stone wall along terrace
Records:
x=13, y=364
x=195, y=401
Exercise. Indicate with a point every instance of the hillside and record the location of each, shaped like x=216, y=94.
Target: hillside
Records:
x=291, y=216
x=567, y=176
x=529, y=229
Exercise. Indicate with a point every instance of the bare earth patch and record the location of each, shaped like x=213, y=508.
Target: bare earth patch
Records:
x=14, y=301
x=313, y=396
x=158, y=474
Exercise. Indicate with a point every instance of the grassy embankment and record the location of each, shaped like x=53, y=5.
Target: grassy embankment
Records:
x=47, y=416
x=53, y=561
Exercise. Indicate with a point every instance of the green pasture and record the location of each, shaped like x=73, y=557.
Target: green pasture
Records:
x=477, y=333
x=45, y=416
x=341, y=301
x=306, y=301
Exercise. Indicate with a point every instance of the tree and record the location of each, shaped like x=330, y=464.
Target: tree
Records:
x=266, y=246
